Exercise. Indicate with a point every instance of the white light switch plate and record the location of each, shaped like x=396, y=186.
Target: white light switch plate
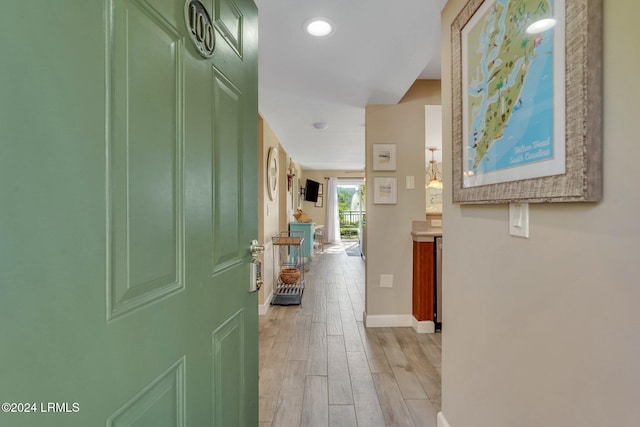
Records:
x=519, y=219
x=411, y=182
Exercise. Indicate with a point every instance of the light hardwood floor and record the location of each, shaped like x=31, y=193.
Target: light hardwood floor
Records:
x=319, y=365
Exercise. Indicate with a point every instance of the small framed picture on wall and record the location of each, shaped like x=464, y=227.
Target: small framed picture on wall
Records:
x=385, y=190
x=384, y=157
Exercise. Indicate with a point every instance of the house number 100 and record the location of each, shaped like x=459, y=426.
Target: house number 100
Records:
x=200, y=27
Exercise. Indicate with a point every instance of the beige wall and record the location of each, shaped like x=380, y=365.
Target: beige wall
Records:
x=275, y=214
x=546, y=331
x=317, y=214
x=388, y=243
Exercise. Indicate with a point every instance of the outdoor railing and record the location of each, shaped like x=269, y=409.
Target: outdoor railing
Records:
x=351, y=218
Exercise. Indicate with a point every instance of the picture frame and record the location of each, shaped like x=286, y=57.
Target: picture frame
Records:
x=527, y=118
x=384, y=157
x=318, y=203
x=385, y=190
x=321, y=189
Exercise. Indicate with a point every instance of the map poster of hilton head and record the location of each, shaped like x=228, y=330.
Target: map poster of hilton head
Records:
x=513, y=93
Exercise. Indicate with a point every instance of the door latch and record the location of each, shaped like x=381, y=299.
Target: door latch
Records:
x=255, y=267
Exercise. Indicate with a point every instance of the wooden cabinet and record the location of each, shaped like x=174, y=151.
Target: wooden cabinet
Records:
x=423, y=280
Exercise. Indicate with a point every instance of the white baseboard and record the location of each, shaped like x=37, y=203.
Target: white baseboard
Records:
x=388, y=320
x=423, y=327
x=442, y=421
x=263, y=308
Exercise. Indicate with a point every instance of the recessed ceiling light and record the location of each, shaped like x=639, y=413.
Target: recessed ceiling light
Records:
x=318, y=27
x=541, y=26
x=320, y=125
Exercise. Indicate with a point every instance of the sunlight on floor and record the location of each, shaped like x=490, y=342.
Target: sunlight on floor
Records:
x=333, y=248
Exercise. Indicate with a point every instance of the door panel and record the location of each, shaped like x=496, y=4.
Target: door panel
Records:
x=160, y=404
x=145, y=55
x=229, y=20
x=227, y=173
x=228, y=374
x=128, y=186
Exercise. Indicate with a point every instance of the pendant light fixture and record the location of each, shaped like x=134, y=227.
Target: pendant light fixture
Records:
x=434, y=176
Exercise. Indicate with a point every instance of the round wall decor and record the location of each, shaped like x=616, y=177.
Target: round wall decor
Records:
x=272, y=173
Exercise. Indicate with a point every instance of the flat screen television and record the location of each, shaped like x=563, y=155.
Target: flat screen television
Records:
x=311, y=190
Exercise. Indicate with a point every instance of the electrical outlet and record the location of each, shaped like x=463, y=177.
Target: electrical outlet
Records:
x=386, y=280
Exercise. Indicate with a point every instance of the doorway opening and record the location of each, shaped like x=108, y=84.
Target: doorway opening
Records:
x=352, y=215
x=351, y=209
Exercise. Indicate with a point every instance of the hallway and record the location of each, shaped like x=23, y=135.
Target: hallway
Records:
x=319, y=366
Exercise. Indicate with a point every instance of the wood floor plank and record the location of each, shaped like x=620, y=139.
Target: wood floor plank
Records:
x=270, y=380
x=365, y=399
x=317, y=360
x=320, y=308
x=299, y=344
x=358, y=311
x=333, y=296
x=375, y=354
x=334, y=321
x=350, y=331
x=342, y=416
x=409, y=383
x=267, y=408
x=338, y=379
x=422, y=412
x=315, y=409
x=284, y=321
x=344, y=300
x=427, y=374
x=405, y=376
x=431, y=350
x=431, y=384
x=391, y=347
x=436, y=338
x=396, y=413
x=289, y=407
x=264, y=349
x=308, y=299
x=418, y=349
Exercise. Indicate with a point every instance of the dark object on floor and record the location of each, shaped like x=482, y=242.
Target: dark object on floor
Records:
x=287, y=294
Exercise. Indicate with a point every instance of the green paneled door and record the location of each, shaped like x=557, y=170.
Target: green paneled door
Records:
x=128, y=171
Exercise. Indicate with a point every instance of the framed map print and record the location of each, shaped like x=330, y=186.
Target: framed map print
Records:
x=527, y=120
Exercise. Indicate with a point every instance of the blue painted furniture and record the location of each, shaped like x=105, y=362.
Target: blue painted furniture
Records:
x=307, y=244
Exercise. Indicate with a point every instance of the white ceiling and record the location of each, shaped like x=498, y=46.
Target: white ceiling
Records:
x=379, y=48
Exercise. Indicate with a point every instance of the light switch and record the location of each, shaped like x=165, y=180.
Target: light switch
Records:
x=519, y=219
x=411, y=182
